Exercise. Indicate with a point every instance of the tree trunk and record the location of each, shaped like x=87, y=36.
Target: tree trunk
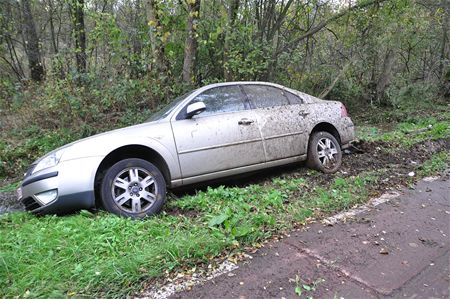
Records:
x=273, y=62
x=232, y=13
x=445, y=49
x=52, y=27
x=155, y=34
x=190, y=50
x=386, y=74
x=79, y=32
x=31, y=43
x=327, y=90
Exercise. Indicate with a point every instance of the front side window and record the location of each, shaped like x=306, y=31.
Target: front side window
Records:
x=264, y=96
x=218, y=100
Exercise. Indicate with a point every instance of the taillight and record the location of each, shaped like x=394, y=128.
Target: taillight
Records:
x=343, y=111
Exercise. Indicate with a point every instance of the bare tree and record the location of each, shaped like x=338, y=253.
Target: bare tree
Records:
x=232, y=13
x=51, y=11
x=386, y=74
x=445, y=49
x=79, y=32
x=190, y=50
x=155, y=34
x=31, y=42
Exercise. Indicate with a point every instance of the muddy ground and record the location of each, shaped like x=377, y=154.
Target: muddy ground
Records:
x=9, y=203
x=365, y=156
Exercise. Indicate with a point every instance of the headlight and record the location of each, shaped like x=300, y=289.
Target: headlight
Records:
x=48, y=161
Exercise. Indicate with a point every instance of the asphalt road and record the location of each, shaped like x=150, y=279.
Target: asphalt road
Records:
x=398, y=249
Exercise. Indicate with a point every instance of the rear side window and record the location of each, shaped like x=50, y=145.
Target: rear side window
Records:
x=264, y=96
x=293, y=99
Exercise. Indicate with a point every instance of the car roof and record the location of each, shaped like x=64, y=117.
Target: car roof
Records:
x=240, y=83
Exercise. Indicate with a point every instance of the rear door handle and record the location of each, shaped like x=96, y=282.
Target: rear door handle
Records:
x=303, y=113
x=245, y=122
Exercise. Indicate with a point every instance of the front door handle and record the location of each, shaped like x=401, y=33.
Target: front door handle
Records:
x=245, y=122
x=303, y=113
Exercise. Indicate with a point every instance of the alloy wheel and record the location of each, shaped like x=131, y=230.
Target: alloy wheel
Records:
x=134, y=190
x=327, y=152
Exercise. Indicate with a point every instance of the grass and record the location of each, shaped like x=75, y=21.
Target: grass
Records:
x=436, y=164
x=101, y=254
x=89, y=254
x=10, y=187
x=409, y=132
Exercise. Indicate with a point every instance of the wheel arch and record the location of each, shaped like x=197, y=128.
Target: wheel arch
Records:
x=326, y=127
x=129, y=151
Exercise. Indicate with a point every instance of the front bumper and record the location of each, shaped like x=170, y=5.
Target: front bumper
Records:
x=73, y=180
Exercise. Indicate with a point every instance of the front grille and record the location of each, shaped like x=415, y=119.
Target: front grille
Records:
x=30, y=204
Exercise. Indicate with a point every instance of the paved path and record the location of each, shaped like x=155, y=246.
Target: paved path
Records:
x=397, y=249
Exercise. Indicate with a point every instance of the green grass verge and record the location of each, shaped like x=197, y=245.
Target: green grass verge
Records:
x=407, y=133
x=101, y=254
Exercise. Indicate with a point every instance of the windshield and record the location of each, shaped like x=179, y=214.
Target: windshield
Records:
x=163, y=111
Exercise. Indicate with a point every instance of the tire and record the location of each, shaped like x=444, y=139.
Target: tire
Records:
x=324, y=152
x=133, y=188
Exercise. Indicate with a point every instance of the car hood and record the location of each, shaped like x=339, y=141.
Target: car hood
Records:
x=148, y=129
x=100, y=144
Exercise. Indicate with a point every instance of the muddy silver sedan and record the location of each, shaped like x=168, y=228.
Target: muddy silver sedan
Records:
x=212, y=132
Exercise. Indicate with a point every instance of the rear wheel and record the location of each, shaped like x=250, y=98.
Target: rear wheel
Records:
x=324, y=152
x=133, y=188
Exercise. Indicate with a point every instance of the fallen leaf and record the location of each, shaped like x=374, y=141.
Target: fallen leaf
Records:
x=383, y=251
x=414, y=245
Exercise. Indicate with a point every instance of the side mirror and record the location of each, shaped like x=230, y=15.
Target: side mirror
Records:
x=194, y=109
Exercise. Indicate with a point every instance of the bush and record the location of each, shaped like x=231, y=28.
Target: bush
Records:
x=404, y=95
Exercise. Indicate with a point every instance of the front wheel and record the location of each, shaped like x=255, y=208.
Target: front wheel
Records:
x=133, y=188
x=324, y=152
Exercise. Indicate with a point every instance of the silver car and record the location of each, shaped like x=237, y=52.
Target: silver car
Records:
x=212, y=132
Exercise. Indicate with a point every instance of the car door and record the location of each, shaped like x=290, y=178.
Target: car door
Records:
x=281, y=121
x=224, y=136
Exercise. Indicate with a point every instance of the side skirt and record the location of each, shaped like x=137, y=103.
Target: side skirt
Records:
x=235, y=171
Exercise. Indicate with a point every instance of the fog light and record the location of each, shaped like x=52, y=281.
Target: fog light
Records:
x=47, y=197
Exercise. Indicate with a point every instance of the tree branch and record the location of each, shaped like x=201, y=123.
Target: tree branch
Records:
x=324, y=23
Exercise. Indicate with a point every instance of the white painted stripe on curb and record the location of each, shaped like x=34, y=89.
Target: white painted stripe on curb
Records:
x=171, y=288
x=364, y=208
